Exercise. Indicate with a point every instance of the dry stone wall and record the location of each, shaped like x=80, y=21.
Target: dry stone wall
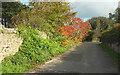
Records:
x=114, y=46
x=9, y=42
x=42, y=34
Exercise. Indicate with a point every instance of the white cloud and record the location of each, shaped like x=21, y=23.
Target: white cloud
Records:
x=93, y=9
x=85, y=19
x=93, y=0
x=119, y=4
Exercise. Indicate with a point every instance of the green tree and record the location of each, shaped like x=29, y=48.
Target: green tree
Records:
x=115, y=16
x=99, y=25
x=0, y=10
x=47, y=16
x=9, y=9
x=53, y=12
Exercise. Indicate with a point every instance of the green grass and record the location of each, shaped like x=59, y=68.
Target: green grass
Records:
x=33, y=51
x=3, y=31
x=113, y=54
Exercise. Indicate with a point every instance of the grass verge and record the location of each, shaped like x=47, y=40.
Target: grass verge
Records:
x=34, y=51
x=113, y=54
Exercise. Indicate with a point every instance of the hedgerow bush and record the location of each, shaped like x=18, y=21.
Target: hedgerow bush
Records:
x=89, y=38
x=111, y=36
x=33, y=51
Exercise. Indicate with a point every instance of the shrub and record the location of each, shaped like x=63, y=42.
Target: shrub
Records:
x=33, y=51
x=3, y=31
x=75, y=30
x=111, y=36
x=89, y=38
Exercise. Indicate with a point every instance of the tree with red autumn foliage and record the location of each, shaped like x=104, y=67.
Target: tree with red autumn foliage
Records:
x=75, y=29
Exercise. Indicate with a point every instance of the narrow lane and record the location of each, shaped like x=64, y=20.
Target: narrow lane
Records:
x=86, y=58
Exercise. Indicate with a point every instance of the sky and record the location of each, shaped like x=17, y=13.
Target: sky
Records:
x=93, y=0
x=93, y=9
x=89, y=8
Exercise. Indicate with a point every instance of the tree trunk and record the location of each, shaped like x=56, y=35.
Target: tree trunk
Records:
x=5, y=23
